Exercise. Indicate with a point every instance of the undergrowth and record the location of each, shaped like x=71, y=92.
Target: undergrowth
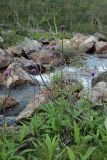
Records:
x=59, y=130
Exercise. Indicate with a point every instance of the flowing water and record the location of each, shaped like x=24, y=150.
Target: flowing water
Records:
x=24, y=94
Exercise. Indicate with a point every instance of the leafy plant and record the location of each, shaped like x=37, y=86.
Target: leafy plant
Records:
x=76, y=133
x=48, y=149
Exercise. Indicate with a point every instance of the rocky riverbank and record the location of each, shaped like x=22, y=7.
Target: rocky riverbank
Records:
x=33, y=63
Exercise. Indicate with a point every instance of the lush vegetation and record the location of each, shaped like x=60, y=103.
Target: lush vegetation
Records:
x=14, y=37
x=66, y=128
x=77, y=15
x=59, y=130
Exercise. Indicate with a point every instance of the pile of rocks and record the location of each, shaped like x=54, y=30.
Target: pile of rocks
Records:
x=31, y=54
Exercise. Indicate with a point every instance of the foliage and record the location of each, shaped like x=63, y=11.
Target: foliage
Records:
x=64, y=128
x=10, y=38
x=59, y=131
x=50, y=15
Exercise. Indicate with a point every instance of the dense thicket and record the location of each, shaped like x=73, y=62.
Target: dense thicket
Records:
x=77, y=15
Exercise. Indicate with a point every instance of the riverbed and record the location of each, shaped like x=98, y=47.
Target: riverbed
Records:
x=24, y=94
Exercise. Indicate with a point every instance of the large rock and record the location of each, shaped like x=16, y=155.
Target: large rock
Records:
x=42, y=57
x=101, y=47
x=5, y=59
x=87, y=44
x=95, y=97
x=66, y=43
x=100, y=37
x=29, y=45
x=97, y=94
x=91, y=95
x=100, y=86
x=80, y=43
x=31, y=108
x=45, y=57
x=101, y=77
x=7, y=102
x=101, y=89
x=18, y=77
x=79, y=38
x=84, y=41
x=28, y=65
x=70, y=48
x=14, y=51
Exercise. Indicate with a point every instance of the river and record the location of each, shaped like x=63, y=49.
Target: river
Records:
x=24, y=94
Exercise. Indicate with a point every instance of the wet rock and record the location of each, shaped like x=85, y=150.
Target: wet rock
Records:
x=100, y=37
x=31, y=108
x=5, y=59
x=101, y=77
x=7, y=102
x=18, y=77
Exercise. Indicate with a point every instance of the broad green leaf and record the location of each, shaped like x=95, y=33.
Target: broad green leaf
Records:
x=71, y=154
x=17, y=157
x=76, y=132
x=89, y=153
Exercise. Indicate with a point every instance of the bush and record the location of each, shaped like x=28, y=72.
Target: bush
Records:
x=10, y=38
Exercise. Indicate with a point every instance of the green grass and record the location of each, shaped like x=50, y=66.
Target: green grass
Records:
x=59, y=131
x=50, y=36
x=14, y=37
x=10, y=38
